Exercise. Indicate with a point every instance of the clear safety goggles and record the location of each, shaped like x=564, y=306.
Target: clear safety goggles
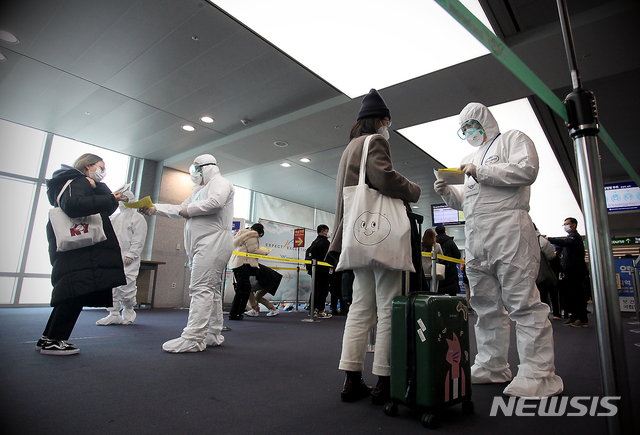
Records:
x=469, y=128
x=197, y=169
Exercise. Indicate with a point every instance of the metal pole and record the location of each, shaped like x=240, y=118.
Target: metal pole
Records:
x=583, y=128
x=313, y=293
x=298, y=284
x=434, y=278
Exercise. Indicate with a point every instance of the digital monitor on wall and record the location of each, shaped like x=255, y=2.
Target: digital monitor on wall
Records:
x=443, y=215
x=622, y=196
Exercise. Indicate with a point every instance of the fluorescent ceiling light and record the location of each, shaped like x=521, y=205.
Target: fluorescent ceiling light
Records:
x=551, y=198
x=357, y=45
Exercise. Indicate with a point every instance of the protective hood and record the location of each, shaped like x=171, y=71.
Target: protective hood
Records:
x=211, y=170
x=480, y=113
x=131, y=198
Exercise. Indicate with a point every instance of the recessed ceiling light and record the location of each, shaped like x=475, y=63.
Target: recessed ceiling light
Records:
x=2, y=57
x=8, y=37
x=285, y=164
x=280, y=143
x=416, y=206
x=305, y=160
x=207, y=119
x=188, y=127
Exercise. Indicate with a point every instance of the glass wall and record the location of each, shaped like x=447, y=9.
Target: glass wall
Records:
x=27, y=158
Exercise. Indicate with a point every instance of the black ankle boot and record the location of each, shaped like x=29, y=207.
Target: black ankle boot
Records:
x=354, y=387
x=382, y=393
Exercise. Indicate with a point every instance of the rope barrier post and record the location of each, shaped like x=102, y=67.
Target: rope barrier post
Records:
x=313, y=293
x=583, y=127
x=297, y=284
x=434, y=277
x=187, y=274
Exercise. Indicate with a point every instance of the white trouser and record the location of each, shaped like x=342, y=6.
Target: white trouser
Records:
x=205, y=311
x=512, y=288
x=373, y=292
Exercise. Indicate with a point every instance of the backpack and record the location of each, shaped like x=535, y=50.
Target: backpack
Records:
x=309, y=255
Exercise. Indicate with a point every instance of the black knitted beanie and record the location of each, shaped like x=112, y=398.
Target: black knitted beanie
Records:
x=373, y=105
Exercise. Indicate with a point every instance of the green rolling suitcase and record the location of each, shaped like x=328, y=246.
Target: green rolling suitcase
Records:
x=430, y=361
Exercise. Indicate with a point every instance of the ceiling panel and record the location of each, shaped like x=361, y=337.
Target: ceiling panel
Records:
x=135, y=68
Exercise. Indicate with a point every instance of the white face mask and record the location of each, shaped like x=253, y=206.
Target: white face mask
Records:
x=567, y=228
x=196, y=178
x=476, y=139
x=384, y=131
x=98, y=175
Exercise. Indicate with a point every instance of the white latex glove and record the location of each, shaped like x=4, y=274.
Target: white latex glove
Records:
x=128, y=261
x=184, y=213
x=469, y=169
x=441, y=187
x=149, y=211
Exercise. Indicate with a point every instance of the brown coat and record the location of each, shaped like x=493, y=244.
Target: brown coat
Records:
x=380, y=175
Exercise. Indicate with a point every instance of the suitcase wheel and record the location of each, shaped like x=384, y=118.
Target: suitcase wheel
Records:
x=429, y=421
x=467, y=407
x=390, y=409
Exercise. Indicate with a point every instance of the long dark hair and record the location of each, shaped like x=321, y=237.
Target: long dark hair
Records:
x=428, y=240
x=364, y=126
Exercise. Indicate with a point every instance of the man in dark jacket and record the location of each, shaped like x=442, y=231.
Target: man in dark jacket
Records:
x=574, y=271
x=450, y=284
x=317, y=251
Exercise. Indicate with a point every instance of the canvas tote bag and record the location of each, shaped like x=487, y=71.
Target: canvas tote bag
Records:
x=375, y=228
x=75, y=233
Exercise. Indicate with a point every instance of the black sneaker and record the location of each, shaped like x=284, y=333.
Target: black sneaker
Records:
x=58, y=347
x=40, y=342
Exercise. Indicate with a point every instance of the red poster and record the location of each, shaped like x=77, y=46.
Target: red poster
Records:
x=298, y=238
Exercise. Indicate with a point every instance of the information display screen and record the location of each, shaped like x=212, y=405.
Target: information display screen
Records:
x=443, y=215
x=622, y=196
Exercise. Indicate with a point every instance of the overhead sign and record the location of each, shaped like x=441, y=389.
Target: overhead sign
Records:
x=617, y=241
x=298, y=238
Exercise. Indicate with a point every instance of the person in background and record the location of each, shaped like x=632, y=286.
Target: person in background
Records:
x=318, y=251
x=373, y=289
x=546, y=292
x=131, y=229
x=80, y=277
x=428, y=242
x=574, y=272
x=450, y=285
x=502, y=256
x=208, y=214
x=244, y=268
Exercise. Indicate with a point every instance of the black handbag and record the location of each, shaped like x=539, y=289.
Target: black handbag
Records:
x=546, y=277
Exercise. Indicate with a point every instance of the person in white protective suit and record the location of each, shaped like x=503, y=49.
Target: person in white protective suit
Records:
x=502, y=256
x=209, y=242
x=131, y=230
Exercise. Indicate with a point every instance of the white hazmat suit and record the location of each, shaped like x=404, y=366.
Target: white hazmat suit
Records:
x=208, y=240
x=131, y=229
x=502, y=258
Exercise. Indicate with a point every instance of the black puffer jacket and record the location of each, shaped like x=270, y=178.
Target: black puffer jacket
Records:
x=450, y=284
x=87, y=274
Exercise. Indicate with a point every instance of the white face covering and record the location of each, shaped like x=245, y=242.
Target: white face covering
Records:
x=476, y=139
x=384, y=131
x=196, y=178
x=98, y=175
x=567, y=228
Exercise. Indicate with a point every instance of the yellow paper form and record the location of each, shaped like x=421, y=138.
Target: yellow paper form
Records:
x=451, y=175
x=144, y=202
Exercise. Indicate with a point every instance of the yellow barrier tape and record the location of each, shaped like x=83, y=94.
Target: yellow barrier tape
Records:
x=290, y=260
x=444, y=257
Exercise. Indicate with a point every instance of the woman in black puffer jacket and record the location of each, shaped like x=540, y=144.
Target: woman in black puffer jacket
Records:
x=85, y=276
